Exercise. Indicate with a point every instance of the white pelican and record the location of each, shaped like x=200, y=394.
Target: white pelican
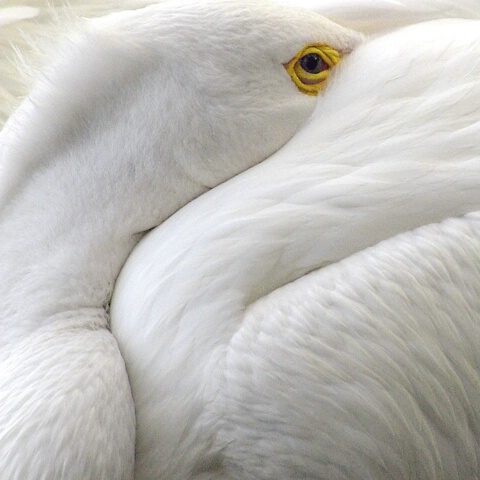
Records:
x=367, y=368
x=134, y=115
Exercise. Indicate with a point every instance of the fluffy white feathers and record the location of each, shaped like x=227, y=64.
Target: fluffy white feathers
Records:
x=392, y=146
x=135, y=115
x=368, y=368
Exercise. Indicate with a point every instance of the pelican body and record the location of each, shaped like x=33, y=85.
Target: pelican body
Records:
x=317, y=316
x=313, y=314
x=136, y=114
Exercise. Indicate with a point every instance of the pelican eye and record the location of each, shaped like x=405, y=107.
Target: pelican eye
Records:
x=313, y=63
x=311, y=66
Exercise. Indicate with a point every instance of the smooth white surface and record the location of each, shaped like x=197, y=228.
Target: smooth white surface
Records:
x=13, y=14
x=373, y=16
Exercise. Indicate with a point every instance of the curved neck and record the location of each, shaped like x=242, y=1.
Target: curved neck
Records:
x=185, y=291
x=71, y=212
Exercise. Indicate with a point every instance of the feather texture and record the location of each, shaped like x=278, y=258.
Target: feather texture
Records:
x=122, y=117
x=315, y=317
x=382, y=155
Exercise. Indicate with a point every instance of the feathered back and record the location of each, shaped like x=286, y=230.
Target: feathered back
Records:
x=373, y=16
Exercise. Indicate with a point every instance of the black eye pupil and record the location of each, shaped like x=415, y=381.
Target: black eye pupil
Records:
x=312, y=63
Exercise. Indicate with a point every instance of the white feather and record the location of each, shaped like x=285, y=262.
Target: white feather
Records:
x=373, y=16
x=392, y=146
x=366, y=368
x=135, y=114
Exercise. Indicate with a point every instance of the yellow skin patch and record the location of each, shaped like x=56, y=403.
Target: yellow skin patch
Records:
x=309, y=80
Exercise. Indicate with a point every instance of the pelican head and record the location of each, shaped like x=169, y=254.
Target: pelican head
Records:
x=177, y=97
x=135, y=115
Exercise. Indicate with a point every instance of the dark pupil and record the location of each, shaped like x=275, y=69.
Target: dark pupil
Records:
x=312, y=63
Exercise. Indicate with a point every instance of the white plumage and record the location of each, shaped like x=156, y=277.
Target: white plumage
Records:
x=282, y=373
x=365, y=368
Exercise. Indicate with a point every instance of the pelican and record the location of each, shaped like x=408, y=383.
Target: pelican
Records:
x=314, y=317
x=248, y=366
x=181, y=97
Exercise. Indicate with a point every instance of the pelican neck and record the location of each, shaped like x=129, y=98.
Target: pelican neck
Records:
x=70, y=219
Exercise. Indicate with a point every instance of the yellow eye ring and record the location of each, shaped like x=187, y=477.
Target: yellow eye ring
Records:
x=310, y=67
